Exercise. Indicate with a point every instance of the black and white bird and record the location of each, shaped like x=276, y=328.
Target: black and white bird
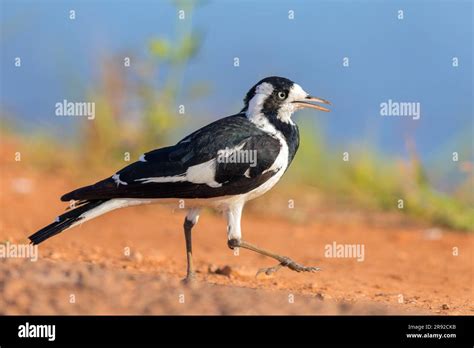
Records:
x=198, y=169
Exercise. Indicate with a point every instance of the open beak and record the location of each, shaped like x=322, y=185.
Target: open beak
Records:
x=306, y=103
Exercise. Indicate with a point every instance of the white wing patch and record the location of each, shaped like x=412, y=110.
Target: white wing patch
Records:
x=203, y=173
x=162, y=179
x=116, y=178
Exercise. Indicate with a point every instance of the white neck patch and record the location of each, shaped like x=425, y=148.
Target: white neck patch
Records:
x=256, y=103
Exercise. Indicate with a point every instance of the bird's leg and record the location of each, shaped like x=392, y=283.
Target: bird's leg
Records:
x=189, y=221
x=283, y=260
x=234, y=240
x=190, y=275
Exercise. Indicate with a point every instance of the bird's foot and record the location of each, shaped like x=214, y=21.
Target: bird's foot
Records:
x=287, y=262
x=190, y=278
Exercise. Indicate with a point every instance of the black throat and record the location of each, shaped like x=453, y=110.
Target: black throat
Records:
x=289, y=131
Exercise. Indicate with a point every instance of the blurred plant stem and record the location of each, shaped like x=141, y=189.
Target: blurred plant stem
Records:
x=134, y=113
x=373, y=181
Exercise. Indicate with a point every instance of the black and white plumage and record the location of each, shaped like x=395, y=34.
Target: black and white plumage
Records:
x=192, y=169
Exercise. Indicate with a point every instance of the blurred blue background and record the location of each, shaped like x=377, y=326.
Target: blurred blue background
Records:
x=402, y=60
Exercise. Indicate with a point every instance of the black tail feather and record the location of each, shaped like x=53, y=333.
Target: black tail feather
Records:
x=63, y=221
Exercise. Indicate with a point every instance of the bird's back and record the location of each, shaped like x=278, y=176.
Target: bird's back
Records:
x=191, y=168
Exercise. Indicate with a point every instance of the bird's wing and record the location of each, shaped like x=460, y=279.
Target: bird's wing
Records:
x=202, y=165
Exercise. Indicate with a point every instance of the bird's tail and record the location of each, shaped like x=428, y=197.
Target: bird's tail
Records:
x=85, y=211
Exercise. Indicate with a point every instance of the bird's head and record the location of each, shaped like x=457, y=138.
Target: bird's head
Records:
x=278, y=97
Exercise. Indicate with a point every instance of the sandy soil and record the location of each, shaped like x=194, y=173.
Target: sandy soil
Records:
x=408, y=267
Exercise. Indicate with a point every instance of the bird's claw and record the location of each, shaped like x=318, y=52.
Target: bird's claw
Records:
x=287, y=262
x=190, y=279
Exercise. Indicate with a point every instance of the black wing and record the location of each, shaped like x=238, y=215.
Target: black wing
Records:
x=192, y=168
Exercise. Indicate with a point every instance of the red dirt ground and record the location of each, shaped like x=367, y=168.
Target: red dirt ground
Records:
x=408, y=268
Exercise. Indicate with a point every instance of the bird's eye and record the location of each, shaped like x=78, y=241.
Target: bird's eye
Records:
x=281, y=95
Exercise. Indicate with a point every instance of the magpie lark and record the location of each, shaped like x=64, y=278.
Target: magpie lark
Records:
x=202, y=169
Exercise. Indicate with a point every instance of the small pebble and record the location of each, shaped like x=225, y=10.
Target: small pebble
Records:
x=226, y=270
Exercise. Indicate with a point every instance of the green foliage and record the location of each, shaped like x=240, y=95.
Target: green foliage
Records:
x=373, y=182
x=157, y=111
x=187, y=48
x=160, y=48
